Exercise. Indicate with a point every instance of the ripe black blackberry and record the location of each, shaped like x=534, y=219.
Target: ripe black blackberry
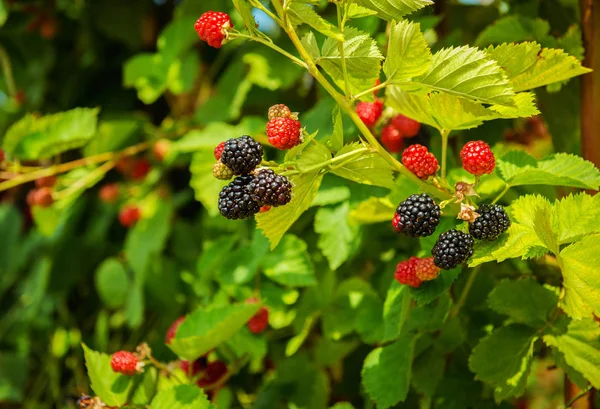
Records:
x=235, y=201
x=452, y=249
x=242, y=155
x=491, y=223
x=271, y=189
x=417, y=216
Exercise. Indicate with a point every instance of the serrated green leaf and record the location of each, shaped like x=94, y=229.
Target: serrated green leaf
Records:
x=373, y=210
x=386, y=372
x=430, y=290
x=468, y=73
x=111, y=387
x=576, y=216
x=580, y=345
x=408, y=53
x=33, y=137
x=363, y=59
x=395, y=310
x=356, y=11
x=428, y=371
x=147, y=73
x=503, y=359
x=112, y=283
x=290, y=264
x=278, y=220
x=513, y=29
x=524, y=301
x=181, y=397
x=581, y=280
x=303, y=13
x=328, y=352
x=245, y=342
x=336, y=234
x=206, y=328
x=296, y=341
x=394, y=9
x=561, y=169
x=369, y=168
x=337, y=138
x=332, y=195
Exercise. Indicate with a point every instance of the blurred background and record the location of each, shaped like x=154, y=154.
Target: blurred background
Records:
x=63, y=275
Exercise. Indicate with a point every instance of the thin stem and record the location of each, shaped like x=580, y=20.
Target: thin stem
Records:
x=445, y=133
x=163, y=367
x=579, y=396
x=341, y=158
x=271, y=45
x=341, y=50
x=65, y=167
x=370, y=90
x=464, y=293
x=85, y=181
x=501, y=194
x=7, y=71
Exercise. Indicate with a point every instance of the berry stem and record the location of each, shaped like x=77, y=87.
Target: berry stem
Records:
x=341, y=22
x=465, y=292
x=8, y=72
x=501, y=194
x=270, y=44
x=445, y=133
x=163, y=367
x=341, y=158
x=371, y=90
x=85, y=182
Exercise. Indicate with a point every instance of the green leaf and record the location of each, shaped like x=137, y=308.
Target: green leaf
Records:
x=205, y=139
x=111, y=387
x=244, y=8
x=207, y=328
x=408, y=54
x=373, y=210
x=468, y=73
x=430, y=290
x=304, y=13
x=356, y=11
x=337, y=138
x=503, y=359
x=369, y=168
x=278, y=220
x=296, y=341
x=181, y=397
x=576, y=216
x=3, y=13
x=289, y=264
x=394, y=9
x=206, y=186
x=112, y=283
x=363, y=59
x=113, y=135
x=514, y=29
x=395, y=310
x=176, y=38
x=524, y=301
x=581, y=280
x=33, y=138
x=561, y=169
x=332, y=195
x=428, y=371
x=13, y=376
x=147, y=73
x=386, y=372
x=328, y=352
x=580, y=345
x=336, y=234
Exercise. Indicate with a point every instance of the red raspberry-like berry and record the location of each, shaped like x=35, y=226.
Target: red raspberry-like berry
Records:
x=173, y=329
x=284, y=133
x=477, y=158
x=125, y=164
x=109, y=193
x=46, y=181
x=406, y=272
x=129, y=216
x=391, y=138
x=407, y=126
x=426, y=270
x=279, y=111
x=41, y=197
x=259, y=322
x=213, y=373
x=161, y=149
x=396, y=222
x=420, y=161
x=212, y=27
x=124, y=362
x=219, y=150
x=140, y=169
x=197, y=366
x=264, y=209
x=369, y=112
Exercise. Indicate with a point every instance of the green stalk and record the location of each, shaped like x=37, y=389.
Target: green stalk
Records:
x=341, y=50
x=445, y=133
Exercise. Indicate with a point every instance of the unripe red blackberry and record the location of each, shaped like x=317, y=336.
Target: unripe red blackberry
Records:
x=369, y=112
x=195, y=367
x=271, y=189
x=140, y=169
x=235, y=200
x=172, y=331
x=109, y=193
x=407, y=126
x=259, y=322
x=391, y=138
x=242, y=155
x=284, y=133
x=46, y=181
x=417, y=216
x=420, y=161
x=491, y=223
x=406, y=273
x=219, y=150
x=426, y=270
x=41, y=197
x=212, y=374
x=478, y=158
x=124, y=362
x=212, y=27
x=452, y=249
x=129, y=215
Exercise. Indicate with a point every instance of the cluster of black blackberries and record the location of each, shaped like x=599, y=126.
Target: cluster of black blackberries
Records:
x=251, y=189
x=418, y=216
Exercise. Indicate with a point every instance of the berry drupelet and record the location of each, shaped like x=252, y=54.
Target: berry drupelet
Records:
x=491, y=223
x=242, y=155
x=452, y=249
x=417, y=216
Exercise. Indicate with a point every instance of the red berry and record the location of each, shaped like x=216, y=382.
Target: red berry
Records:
x=109, y=193
x=173, y=329
x=406, y=272
x=260, y=321
x=279, y=111
x=420, y=161
x=396, y=222
x=46, y=181
x=124, y=362
x=284, y=133
x=212, y=27
x=477, y=158
x=426, y=270
x=140, y=169
x=198, y=366
x=219, y=150
x=2, y=155
x=391, y=138
x=213, y=373
x=129, y=216
x=161, y=149
x=124, y=165
x=408, y=127
x=264, y=209
x=369, y=112
x=41, y=197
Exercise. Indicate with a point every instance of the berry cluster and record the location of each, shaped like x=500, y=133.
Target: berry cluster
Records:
x=283, y=129
x=252, y=189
